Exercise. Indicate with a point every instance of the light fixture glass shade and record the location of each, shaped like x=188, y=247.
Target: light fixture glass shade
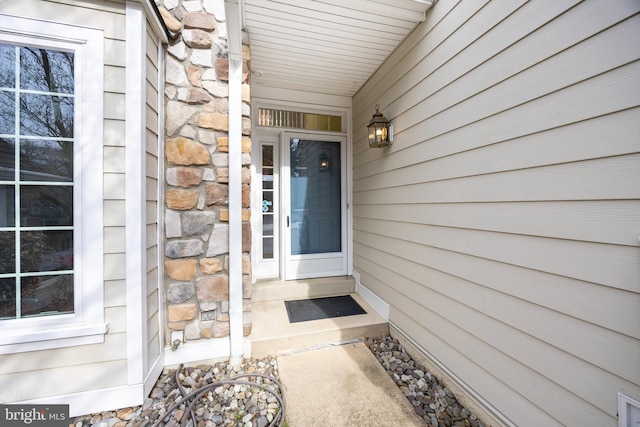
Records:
x=324, y=162
x=379, y=130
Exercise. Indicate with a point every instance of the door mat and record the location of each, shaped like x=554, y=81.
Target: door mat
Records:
x=322, y=308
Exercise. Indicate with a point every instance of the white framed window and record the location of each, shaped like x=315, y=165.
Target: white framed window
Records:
x=51, y=220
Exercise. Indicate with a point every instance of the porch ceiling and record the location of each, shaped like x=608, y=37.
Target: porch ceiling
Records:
x=325, y=46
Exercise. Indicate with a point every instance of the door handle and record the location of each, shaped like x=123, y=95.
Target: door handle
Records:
x=287, y=221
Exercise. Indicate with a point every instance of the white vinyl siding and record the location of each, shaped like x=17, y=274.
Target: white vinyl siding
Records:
x=502, y=224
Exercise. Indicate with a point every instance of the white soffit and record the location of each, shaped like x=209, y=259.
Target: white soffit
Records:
x=325, y=46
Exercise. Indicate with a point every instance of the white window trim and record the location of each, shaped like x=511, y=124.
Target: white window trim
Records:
x=86, y=325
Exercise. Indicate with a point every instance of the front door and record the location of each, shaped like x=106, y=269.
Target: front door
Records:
x=313, y=206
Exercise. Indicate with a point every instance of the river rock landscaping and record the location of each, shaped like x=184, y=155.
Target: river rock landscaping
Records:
x=435, y=403
x=249, y=395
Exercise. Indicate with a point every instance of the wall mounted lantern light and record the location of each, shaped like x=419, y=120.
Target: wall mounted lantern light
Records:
x=380, y=130
x=324, y=162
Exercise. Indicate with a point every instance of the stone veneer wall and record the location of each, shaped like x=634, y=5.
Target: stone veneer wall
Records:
x=197, y=173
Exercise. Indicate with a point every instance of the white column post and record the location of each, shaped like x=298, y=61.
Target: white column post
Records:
x=234, y=28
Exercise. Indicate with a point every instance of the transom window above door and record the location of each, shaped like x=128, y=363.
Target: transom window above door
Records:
x=299, y=120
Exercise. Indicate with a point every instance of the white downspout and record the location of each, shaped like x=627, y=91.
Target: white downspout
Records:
x=234, y=29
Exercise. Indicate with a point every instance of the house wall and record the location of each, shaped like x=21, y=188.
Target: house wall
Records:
x=502, y=224
x=67, y=371
x=196, y=190
x=120, y=371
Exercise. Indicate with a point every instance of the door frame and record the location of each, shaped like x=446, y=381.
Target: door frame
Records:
x=263, y=134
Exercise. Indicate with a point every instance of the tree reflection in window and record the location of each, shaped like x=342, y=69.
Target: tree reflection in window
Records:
x=36, y=181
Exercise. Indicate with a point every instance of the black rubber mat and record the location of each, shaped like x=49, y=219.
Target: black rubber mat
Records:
x=322, y=308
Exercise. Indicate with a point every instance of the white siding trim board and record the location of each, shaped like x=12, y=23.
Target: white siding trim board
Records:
x=135, y=197
x=93, y=401
x=154, y=53
x=143, y=50
x=162, y=53
x=377, y=303
x=194, y=351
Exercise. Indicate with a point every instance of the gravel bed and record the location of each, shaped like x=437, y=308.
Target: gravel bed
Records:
x=435, y=403
x=258, y=405
x=222, y=396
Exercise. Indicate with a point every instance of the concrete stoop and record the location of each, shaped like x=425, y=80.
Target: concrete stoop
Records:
x=273, y=334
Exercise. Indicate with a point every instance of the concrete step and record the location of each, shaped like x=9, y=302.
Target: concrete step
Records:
x=273, y=334
x=280, y=290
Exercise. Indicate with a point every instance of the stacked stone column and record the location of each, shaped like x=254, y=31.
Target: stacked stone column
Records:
x=197, y=172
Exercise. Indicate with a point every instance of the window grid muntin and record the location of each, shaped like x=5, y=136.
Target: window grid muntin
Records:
x=18, y=228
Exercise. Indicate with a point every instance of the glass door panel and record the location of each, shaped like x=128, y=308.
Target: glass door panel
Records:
x=315, y=206
x=315, y=197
